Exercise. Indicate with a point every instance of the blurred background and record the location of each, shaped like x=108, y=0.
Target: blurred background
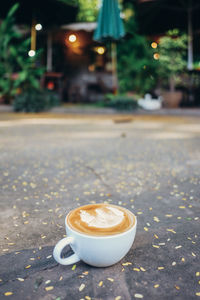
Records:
x=56, y=52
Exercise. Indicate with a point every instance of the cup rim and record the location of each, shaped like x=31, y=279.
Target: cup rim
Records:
x=102, y=236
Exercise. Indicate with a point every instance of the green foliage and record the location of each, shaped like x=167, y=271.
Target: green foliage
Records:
x=88, y=10
x=33, y=100
x=17, y=70
x=136, y=66
x=120, y=102
x=172, y=60
x=70, y=2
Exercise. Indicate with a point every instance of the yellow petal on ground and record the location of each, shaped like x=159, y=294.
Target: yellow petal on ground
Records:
x=177, y=247
x=81, y=287
x=171, y=230
x=156, y=286
x=146, y=229
x=87, y=297
x=136, y=269
x=118, y=298
x=198, y=294
x=20, y=279
x=8, y=293
x=126, y=264
x=110, y=279
x=156, y=219
x=33, y=185
x=27, y=267
x=139, y=296
x=160, y=268
x=155, y=235
x=197, y=273
x=155, y=246
x=49, y=288
x=100, y=283
x=85, y=273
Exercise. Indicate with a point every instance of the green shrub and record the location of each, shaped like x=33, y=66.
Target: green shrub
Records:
x=35, y=101
x=17, y=69
x=136, y=66
x=120, y=102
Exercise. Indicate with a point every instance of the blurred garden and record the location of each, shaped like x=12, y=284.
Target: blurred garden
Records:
x=48, y=58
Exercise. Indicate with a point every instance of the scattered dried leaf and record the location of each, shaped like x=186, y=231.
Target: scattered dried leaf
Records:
x=74, y=267
x=110, y=279
x=20, y=279
x=49, y=288
x=81, y=287
x=139, y=296
x=8, y=293
x=27, y=267
x=100, y=283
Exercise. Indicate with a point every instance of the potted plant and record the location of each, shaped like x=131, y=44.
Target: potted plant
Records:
x=171, y=65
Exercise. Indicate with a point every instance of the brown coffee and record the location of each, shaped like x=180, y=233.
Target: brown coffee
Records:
x=100, y=219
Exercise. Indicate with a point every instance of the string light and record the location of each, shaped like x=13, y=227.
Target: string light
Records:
x=31, y=53
x=154, y=45
x=38, y=27
x=100, y=50
x=156, y=56
x=72, y=38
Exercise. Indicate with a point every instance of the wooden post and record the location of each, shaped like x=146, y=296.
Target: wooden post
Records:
x=190, y=40
x=49, y=52
x=114, y=66
x=33, y=35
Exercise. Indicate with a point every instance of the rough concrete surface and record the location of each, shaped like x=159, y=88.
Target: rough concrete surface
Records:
x=50, y=165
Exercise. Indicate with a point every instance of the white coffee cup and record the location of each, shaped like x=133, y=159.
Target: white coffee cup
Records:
x=98, y=251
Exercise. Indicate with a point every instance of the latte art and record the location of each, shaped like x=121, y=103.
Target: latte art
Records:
x=105, y=217
x=100, y=219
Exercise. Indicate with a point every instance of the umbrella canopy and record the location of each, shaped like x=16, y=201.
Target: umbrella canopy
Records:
x=110, y=26
x=158, y=16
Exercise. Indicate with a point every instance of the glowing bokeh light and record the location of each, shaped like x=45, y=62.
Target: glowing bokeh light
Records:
x=156, y=56
x=154, y=45
x=31, y=53
x=38, y=27
x=72, y=38
x=100, y=50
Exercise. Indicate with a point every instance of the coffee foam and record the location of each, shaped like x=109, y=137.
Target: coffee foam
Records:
x=104, y=217
x=100, y=219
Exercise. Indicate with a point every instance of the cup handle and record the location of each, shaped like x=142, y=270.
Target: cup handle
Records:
x=59, y=248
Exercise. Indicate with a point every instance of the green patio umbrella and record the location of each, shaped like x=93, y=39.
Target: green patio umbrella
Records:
x=110, y=28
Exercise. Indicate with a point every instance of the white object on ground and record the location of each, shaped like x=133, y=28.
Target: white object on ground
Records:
x=150, y=103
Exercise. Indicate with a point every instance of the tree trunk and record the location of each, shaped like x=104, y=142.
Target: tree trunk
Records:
x=172, y=84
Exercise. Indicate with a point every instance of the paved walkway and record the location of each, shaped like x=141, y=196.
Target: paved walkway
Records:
x=89, y=110
x=54, y=163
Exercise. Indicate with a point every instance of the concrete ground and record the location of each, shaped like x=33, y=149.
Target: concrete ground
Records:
x=51, y=164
